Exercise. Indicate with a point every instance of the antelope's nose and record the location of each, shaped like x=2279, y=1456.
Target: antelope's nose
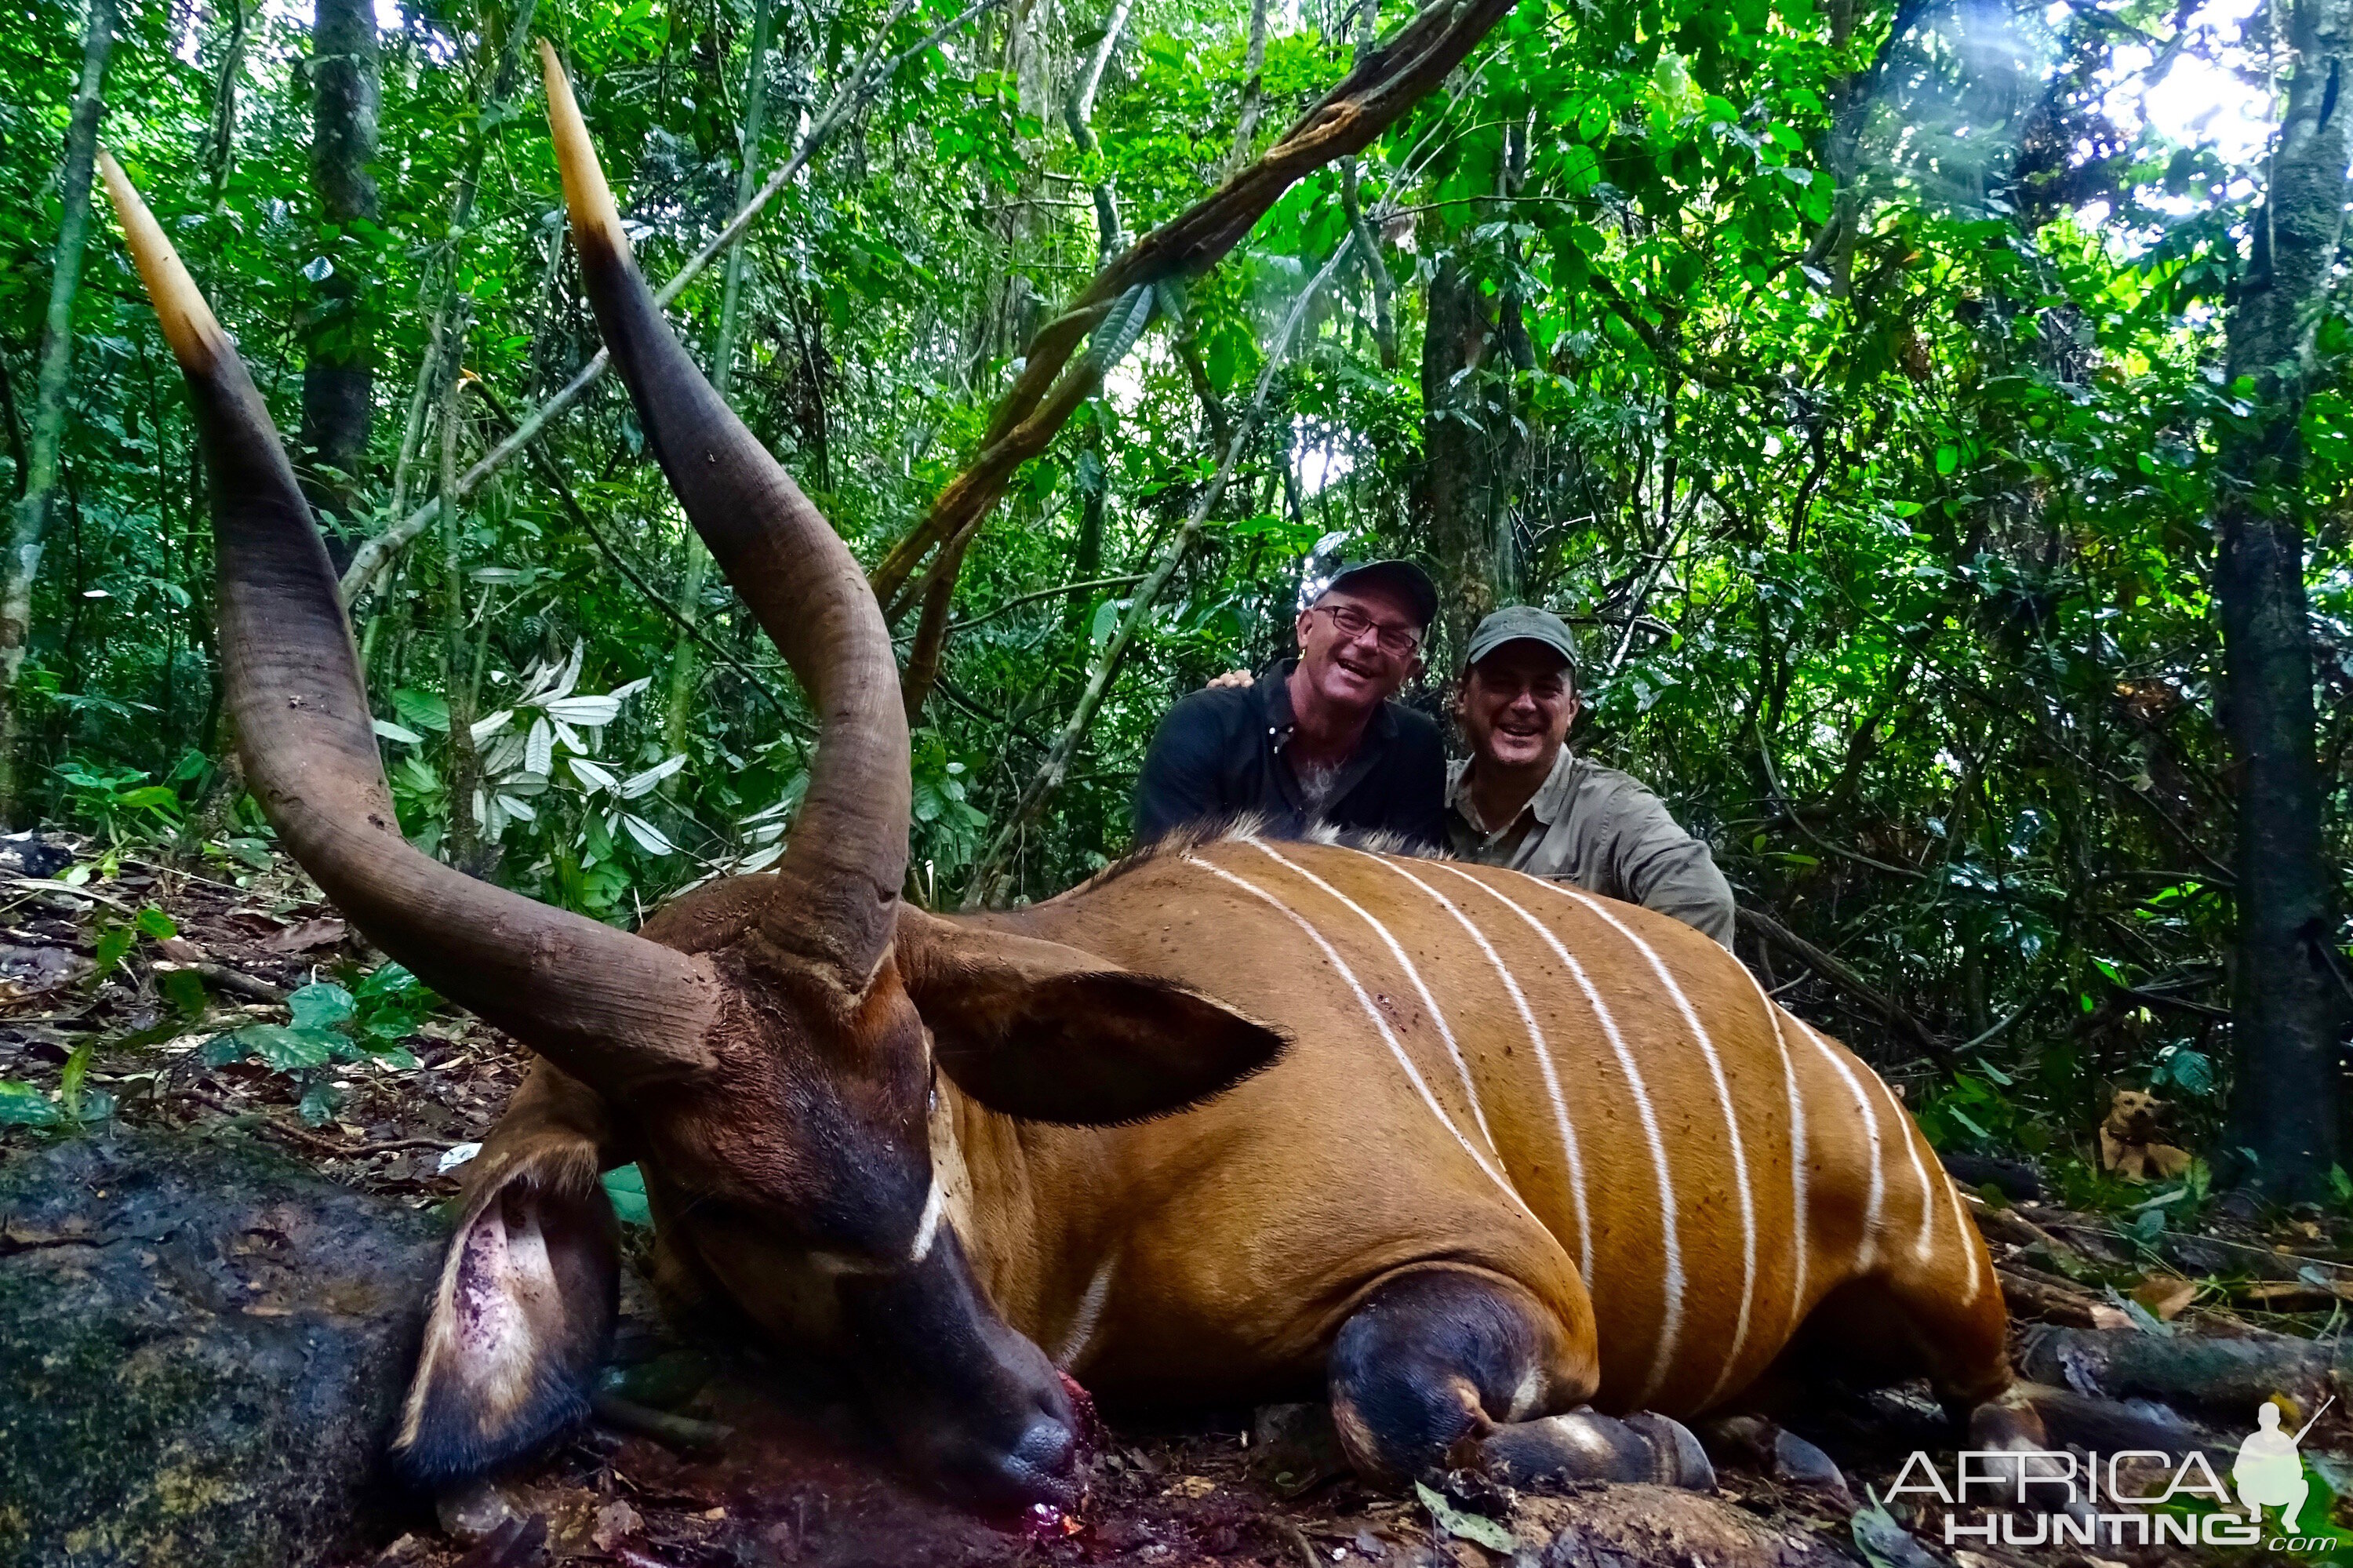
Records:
x=1044, y=1464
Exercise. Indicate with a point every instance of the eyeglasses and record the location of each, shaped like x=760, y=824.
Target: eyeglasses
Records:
x=1397, y=642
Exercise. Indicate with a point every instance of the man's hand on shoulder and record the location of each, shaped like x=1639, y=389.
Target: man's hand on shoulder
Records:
x=1230, y=680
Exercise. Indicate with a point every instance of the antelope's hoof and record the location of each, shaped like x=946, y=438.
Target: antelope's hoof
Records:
x=1768, y=1447
x=1584, y=1446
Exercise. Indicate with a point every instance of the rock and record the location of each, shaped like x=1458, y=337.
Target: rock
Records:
x=476, y=1510
x=1658, y=1527
x=202, y=1352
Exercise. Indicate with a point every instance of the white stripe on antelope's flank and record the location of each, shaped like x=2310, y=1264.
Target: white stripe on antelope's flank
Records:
x=1731, y=1122
x=1964, y=1237
x=1437, y=1015
x=1797, y=1150
x=1088, y=1317
x=1922, y=1245
x=1671, y=1317
x=1544, y=1059
x=1868, y=1253
x=1412, y=1073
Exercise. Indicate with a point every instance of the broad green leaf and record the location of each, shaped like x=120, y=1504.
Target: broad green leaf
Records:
x=287, y=1050
x=110, y=949
x=421, y=710
x=323, y=1005
x=626, y=1186
x=22, y=1104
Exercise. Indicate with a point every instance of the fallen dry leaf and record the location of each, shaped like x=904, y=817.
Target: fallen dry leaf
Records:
x=1191, y=1487
x=302, y=939
x=615, y=1522
x=2166, y=1295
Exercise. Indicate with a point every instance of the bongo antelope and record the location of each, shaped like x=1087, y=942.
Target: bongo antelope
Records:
x=1519, y=1175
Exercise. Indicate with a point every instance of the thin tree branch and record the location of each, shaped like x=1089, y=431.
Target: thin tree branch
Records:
x=370, y=560
x=554, y=476
x=988, y=881
x=1372, y=97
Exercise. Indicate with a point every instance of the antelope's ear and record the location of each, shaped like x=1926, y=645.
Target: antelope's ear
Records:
x=522, y=1315
x=1050, y=1033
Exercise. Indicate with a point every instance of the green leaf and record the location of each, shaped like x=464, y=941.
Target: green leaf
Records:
x=322, y=1006
x=288, y=1050
x=1882, y=1538
x=70, y=1081
x=185, y=990
x=318, y=1102
x=1474, y=1528
x=1948, y=458
x=221, y=1050
x=22, y=1104
x=112, y=946
x=154, y=922
x=421, y=710
x=626, y=1186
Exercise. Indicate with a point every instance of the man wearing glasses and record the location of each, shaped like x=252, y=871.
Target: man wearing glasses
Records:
x=1315, y=741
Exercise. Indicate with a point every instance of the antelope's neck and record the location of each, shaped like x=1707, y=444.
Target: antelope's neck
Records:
x=1007, y=1187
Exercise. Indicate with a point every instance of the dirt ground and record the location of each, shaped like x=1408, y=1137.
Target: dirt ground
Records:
x=755, y=1468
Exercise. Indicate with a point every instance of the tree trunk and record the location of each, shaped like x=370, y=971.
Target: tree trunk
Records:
x=2285, y=1106
x=443, y=278
x=31, y=521
x=460, y=847
x=1462, y=478
x=683, y=664
x=339, y=328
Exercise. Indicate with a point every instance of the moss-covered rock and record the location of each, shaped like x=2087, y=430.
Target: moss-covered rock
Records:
x=202, y=1350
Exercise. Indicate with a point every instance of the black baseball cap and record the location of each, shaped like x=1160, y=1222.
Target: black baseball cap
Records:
x=1400, y=576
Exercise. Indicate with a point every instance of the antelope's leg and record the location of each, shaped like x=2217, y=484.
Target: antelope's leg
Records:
x=1439, y=1370
x=523, y=1312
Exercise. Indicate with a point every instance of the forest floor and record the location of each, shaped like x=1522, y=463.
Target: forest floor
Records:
x=91, y=1015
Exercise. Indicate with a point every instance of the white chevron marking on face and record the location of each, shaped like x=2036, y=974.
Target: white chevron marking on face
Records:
x=1437, y=1014
x=1796, y=1151
x=1413, y=1074
x=1724, y=1101
x=1544, y=1059
x=1670, y=1321
x=1867, y=1253
x=927, y=1227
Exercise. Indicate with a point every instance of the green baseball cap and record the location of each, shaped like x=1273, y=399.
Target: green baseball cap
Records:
x=1522, y=623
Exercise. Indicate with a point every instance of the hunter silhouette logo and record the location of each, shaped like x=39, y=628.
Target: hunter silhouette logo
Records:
x=2270, y=1472
x=2137, y=1497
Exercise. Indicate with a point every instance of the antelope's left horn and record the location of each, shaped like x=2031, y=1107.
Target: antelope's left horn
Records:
x=611, y=1008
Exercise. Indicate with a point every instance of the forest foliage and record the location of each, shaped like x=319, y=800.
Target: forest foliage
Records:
x=1849, y=375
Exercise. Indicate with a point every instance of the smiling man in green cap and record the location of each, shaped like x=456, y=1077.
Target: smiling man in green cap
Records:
x=1524, y=800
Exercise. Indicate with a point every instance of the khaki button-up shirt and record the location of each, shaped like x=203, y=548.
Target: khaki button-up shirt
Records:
x=1603, y=830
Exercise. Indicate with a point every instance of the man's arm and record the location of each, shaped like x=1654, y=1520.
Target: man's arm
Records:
x=1180, y=784
x=1418, y=811
x=1662, y=867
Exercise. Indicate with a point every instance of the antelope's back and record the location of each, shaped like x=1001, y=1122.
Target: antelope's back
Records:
x=1499, y=1071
